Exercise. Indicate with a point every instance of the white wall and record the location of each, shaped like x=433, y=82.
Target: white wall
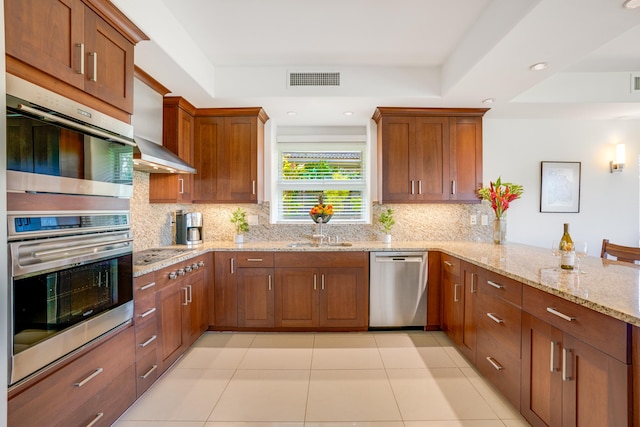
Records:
x=609, y=203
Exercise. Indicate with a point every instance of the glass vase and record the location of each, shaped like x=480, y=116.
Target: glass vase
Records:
x=499, y=231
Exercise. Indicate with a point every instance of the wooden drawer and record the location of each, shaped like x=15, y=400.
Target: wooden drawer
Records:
x=503, y=321
x=107, y=405
x=56, y=397
x=450, y=264
x=605, y=333
x=499, y=366
x=146, y=372
x=255, y=259
x=144, y=286
x=144, y=310
x=146, y=339
x=321, y=259
x=495, y=285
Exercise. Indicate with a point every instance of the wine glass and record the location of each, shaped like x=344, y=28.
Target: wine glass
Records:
x=581, y=249
x=555, y=248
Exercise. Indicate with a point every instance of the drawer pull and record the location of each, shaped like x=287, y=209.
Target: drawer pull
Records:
x=494, y=318
x=96, y=419
x=269, y=282
x=89, y=378
x=186, y=296
x=552, y=361
x=149, y=341
x=456, y=298
x=148, y=312
x=147, y=286
x=254, y=259
x=149, y=372
x=494, y=363
x=315, y=282
x=448, y=264
x=566, y=355
x=495, y=285
x=474, y=283
x=190, y=298
x=560, y=315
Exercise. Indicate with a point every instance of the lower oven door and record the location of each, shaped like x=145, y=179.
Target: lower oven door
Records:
x=66, y=292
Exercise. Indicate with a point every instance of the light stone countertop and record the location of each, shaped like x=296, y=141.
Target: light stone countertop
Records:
x=607, y=287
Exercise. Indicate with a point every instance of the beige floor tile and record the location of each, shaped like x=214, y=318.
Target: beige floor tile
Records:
x=212, y=358
x=409, y=339
x=181, y=395
x=125, y=423
x=344, y=340
x=283, y=340
x=264, y=395
x=346, y=351
x=516, y=423
x=252, y=424
x=351, y=395
x=355, y=424
x=500, y=404
x=225, y=340
x=437, y=394
x=279, y=351
x=455, y=423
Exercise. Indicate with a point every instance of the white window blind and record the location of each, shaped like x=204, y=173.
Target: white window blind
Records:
x=338, y=174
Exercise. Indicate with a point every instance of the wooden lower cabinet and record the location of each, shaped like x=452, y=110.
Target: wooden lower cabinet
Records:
x=297, y=297
x=146, y=331
x=97, y=385
x=256, y=297
x=225, y=298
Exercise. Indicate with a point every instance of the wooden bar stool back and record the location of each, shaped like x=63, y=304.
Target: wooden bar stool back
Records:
x=621, y=253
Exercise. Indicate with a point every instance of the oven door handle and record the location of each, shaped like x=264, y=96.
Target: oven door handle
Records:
x=93, y=245
x=77, y=126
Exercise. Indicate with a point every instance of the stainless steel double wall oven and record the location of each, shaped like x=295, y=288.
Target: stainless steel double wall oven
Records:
x=69, y=181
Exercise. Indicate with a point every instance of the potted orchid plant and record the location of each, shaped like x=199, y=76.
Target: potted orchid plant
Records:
x=500, y=195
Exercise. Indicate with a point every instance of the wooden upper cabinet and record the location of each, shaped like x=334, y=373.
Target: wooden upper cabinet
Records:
x=229, y=147
x=177, y=136
x=82, y=49
x=429, y=154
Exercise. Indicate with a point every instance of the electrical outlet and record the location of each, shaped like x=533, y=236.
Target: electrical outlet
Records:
x=484, y=220
x=252, y=219
x=473, y=220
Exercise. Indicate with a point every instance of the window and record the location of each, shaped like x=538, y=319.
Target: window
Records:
x=337, y=171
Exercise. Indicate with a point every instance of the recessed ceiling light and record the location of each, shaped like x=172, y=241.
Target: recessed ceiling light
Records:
x=348, y=113
x=631, y=4
x=291, y=113
x=488, y=101
x=539, y=66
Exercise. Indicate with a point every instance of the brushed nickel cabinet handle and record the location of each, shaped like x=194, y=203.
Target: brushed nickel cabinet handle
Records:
x=190, y=288
x=149, y=341
x=94, y=71
x=253, y=187
x=413, y=188
x=233, y=266
x=495, y=285
x=322, y=281
x=315, y=282
x=455, y=293
x=254, y=259
x=495, y=363
x=494, y=318
x=181, y=180
x=147, y=286
x=448, y=264
x=566, y=355
x=89, y=378
x=186, y=296
x=96, y=419
x=560, y=315
x=474, y=283
x=149, y=372
x=420, y=186
x=148, y=312
x=453, y=187
x=79, y=59
x=552, y=361
x=269, y=282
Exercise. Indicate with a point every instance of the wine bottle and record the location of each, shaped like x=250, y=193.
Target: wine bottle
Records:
x=567, y=251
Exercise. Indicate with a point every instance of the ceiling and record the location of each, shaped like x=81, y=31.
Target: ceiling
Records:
x=426, y=53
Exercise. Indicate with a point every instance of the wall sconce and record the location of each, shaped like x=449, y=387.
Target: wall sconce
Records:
x=617, y=165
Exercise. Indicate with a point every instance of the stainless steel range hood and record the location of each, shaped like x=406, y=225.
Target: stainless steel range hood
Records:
x=154, y=158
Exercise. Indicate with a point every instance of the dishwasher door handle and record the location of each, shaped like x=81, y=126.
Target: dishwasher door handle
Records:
x=399, y=259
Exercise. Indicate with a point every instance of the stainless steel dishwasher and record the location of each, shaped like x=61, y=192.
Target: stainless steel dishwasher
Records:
x=397, y=289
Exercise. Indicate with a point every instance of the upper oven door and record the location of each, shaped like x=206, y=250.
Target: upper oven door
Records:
x=51, y=151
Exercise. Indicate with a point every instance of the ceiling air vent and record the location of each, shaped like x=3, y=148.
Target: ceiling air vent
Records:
x=635, y=83
x=314, y=79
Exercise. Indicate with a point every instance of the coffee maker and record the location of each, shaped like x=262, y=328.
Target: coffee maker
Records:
x=188, y=228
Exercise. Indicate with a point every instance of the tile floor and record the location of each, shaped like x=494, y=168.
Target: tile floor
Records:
x=374, y=379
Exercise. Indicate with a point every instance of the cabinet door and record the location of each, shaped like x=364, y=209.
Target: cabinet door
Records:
x=256, y=297
x=54, y=37
x=465, y=157
x=541, y=395
x=451, y=292
x=430, y=155
x=198, y=313
x=225, y=295
x=171, y=301
x=396, y=143
x=108, y=63
x=595, y=387
x=343, y=298
x=468, y=338
x=237, y=161
x=296, y=302
x=208, y=135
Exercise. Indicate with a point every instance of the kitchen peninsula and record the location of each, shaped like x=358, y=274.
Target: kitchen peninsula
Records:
x=512, y=313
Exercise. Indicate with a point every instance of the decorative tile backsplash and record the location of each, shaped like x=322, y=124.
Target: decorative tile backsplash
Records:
x=152, y=223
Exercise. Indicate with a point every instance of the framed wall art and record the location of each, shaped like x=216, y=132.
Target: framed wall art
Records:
x=560, y=187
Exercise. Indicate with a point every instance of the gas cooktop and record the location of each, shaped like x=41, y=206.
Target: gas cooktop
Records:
x=151, y=256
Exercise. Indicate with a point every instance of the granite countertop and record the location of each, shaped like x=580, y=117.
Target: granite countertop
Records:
x=608, y=287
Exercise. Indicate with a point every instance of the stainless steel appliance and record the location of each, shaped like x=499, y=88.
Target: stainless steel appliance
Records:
x=71, y=281
x=188, y=228
x=398, y=289
x=56, y=145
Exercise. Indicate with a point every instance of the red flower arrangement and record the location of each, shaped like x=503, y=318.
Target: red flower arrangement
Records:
x=500, y=194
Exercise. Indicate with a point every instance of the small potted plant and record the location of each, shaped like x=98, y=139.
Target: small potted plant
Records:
x=239, y=220
x=387, y=222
